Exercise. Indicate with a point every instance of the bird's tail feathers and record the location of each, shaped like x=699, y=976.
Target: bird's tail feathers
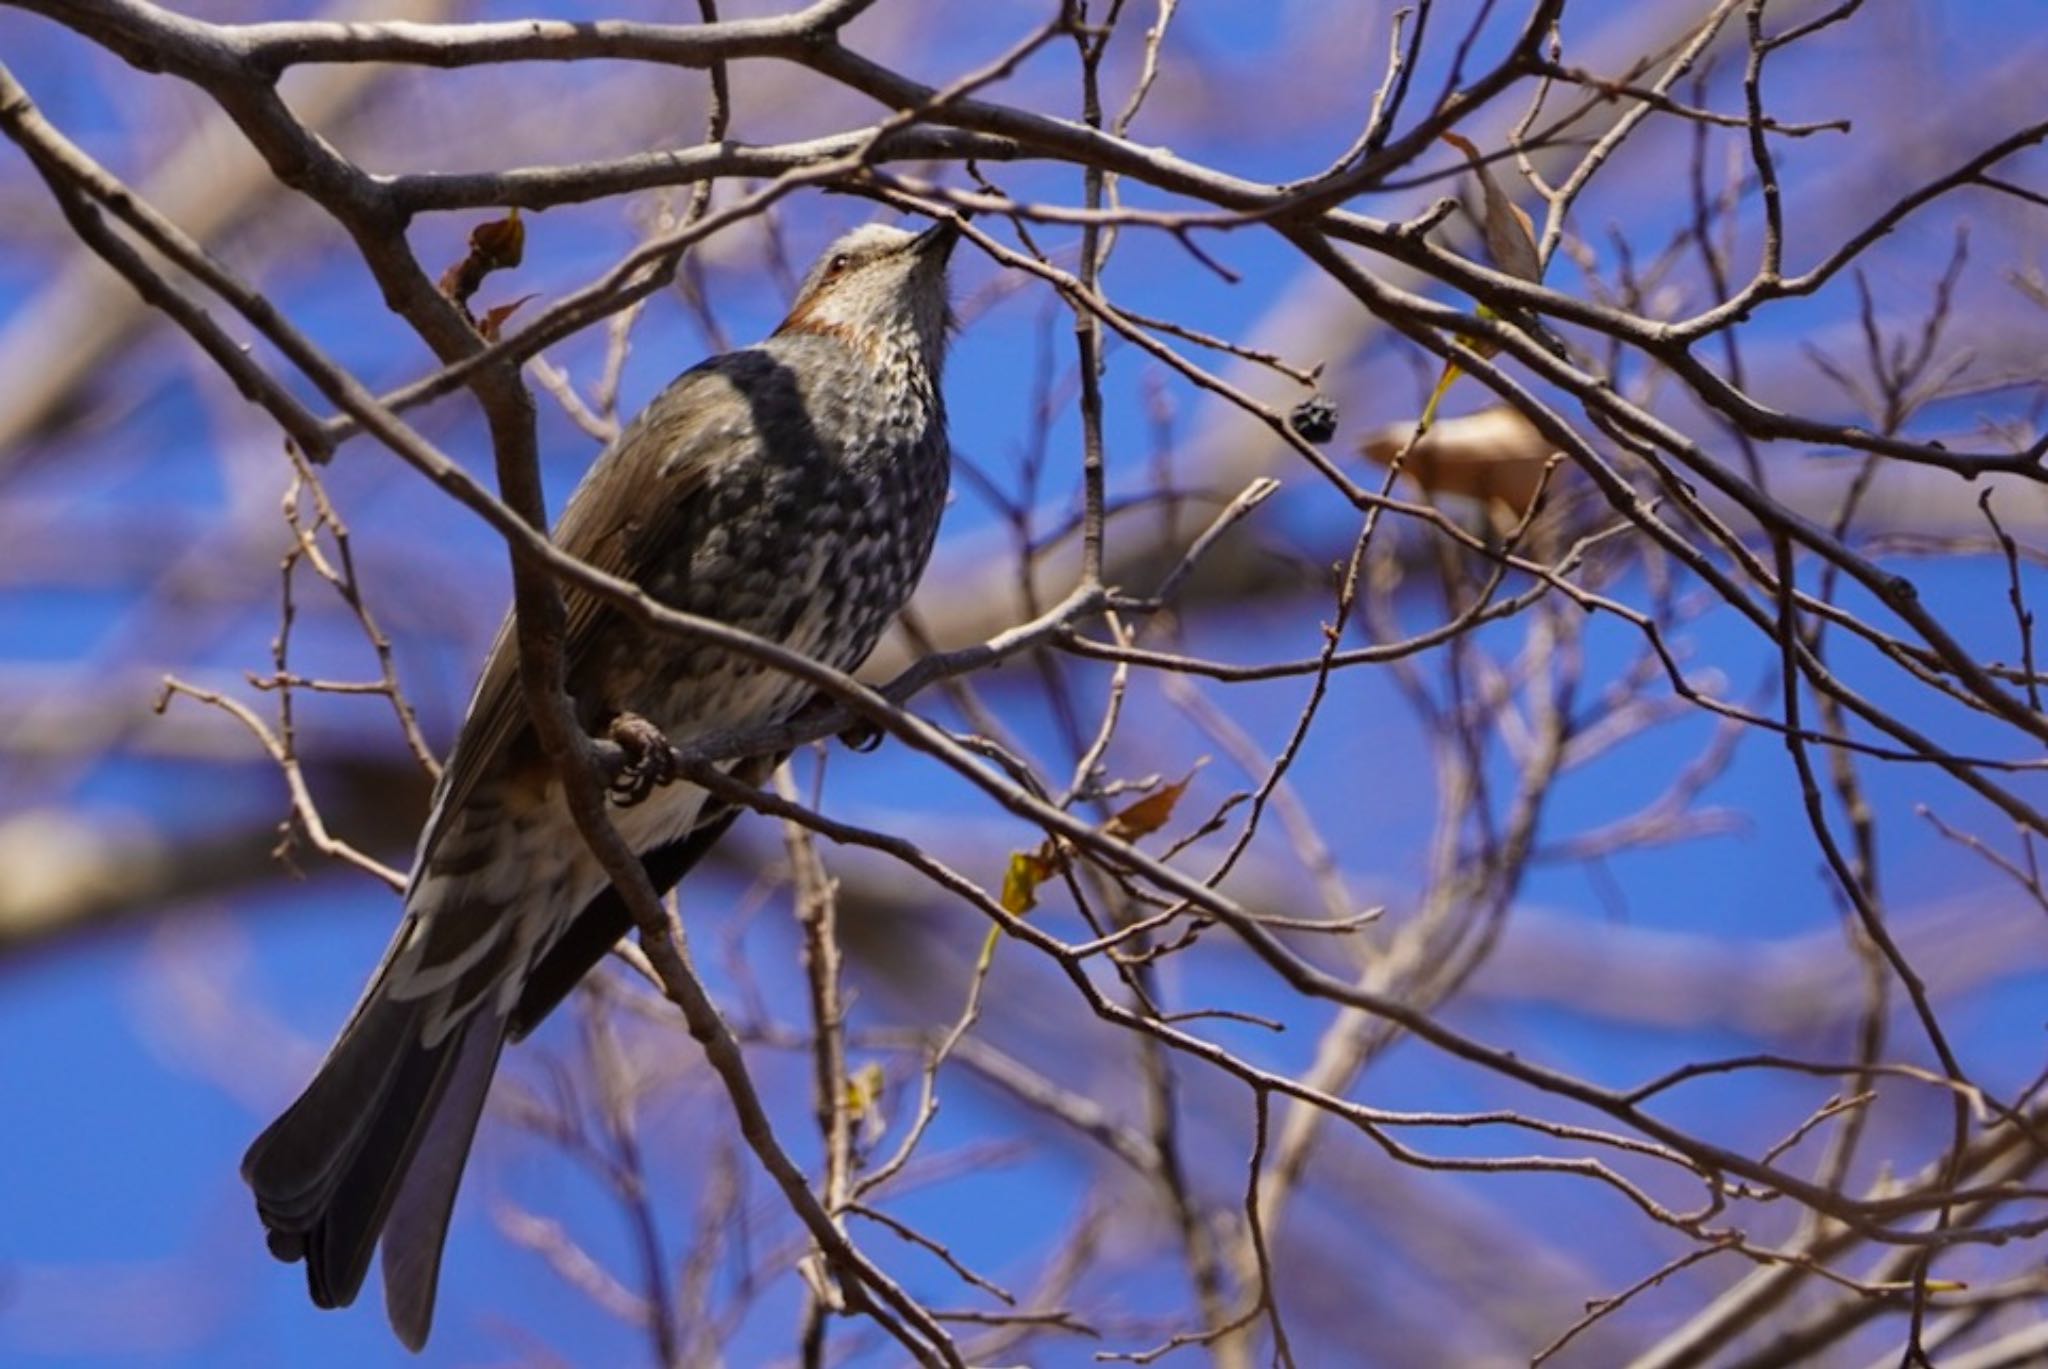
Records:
x=383, y=1126
x=417, y=1227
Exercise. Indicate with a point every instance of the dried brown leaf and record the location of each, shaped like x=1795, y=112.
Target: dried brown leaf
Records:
x=494, y=319
x=496, y=245
x=1150, y=813
x=1495, y=456
x=1510, y=232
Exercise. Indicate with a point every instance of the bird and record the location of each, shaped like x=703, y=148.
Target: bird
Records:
x=792, y=489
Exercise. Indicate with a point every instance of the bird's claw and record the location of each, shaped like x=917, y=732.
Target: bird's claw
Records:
x=649, y=761
x=862, y=737
x=859, y=735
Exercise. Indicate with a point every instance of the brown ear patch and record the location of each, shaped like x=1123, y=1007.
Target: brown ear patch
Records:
x=806, y=319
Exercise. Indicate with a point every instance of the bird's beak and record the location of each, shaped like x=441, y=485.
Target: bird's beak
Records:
x=937, y=241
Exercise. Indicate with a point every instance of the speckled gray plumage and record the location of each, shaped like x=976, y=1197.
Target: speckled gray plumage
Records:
x=812, y=532
x=792, y=489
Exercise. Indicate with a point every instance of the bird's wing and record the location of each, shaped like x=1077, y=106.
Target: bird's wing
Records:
x=636, y=499
x=379, y=1138
x=594, y=931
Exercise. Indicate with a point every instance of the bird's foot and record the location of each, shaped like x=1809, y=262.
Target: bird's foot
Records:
x=861, y=735
x=650, y=761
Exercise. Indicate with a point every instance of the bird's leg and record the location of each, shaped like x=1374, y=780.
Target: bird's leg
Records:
x=650, y=761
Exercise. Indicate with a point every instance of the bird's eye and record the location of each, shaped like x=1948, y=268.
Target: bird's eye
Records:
x=838, y=264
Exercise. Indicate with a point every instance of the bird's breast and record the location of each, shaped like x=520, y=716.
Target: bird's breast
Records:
x=816, y=548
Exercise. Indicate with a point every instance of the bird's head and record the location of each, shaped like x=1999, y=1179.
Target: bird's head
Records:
x=880, y=290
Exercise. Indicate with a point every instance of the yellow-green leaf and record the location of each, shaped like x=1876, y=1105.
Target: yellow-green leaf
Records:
x=1027, y=870
x=1436, y=397
x=1486, y=347
x=864, y=1090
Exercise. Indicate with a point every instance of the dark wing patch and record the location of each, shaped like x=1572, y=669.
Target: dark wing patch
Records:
x=633, y=498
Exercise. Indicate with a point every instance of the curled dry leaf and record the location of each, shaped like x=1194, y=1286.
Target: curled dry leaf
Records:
x=1510, y=232
x=1511, y=245
x=498, y=245
x=1029, y=869
x=1148, y=814
x=493, y=320
x=1495, y=456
